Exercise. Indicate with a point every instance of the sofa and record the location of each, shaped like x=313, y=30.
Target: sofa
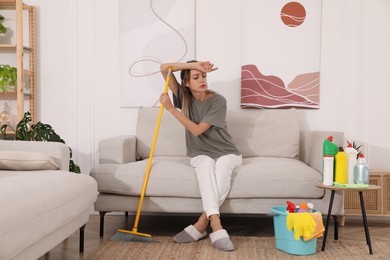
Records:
x=280, y=163
x=42, y=203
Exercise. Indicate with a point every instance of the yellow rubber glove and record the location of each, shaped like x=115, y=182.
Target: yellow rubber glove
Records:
x=302, y=223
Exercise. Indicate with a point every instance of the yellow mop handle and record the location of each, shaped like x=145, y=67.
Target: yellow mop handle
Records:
x=147, y=173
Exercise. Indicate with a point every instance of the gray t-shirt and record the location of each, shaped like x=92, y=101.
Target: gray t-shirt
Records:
x=216, y=141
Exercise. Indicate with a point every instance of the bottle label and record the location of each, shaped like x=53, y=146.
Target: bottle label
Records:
x=341, y=168
x=327, y=173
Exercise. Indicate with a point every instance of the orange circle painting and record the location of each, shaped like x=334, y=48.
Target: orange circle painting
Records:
x=293, y=14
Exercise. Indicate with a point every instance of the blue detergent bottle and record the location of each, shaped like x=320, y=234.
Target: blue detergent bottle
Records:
x=361, y=171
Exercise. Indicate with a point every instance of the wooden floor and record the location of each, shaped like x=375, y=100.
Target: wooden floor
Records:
x=169, y=225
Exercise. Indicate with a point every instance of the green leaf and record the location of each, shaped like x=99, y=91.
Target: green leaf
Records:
x=3, y=29
x=8, y=76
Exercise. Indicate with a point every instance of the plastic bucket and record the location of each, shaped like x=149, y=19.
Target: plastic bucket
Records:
x=285, y=240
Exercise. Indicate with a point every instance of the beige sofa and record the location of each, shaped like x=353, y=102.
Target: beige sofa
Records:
x=42, y=203
x=280, y=163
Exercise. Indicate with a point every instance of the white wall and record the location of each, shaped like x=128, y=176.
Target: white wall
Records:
x=78, y=63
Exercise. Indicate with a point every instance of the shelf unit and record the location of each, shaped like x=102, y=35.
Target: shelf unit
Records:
x=25, y=72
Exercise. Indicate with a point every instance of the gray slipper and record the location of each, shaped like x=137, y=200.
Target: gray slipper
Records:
x=188, y=235
x=221, y=240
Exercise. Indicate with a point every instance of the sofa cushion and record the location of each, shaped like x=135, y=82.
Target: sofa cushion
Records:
x=26, y=161
x=36, y=204
x=57, y=151
x=267, y=177
x=169, y=176
x=170, y=141
x=272, y=133
x=174, y=177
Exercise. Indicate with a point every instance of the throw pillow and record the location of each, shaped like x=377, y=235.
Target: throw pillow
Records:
x=26, y=161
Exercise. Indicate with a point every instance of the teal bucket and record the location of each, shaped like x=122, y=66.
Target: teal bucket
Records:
x=285, y=240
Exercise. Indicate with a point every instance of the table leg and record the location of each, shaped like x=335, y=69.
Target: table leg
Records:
x=336, y=227
x=328, y=219
x=368, y=240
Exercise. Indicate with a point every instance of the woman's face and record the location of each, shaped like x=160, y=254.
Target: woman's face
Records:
x=197, y=81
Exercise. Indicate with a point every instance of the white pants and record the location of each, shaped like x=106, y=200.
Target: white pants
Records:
x=214, y=178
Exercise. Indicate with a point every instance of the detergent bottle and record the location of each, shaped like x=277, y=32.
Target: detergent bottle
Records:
x=361, y=172
x=329, y=151
x=341, y=159
x=327, y=170
x=352, y=157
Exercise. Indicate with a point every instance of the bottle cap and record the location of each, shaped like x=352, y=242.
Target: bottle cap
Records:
x=361, y=155
x=330, y=138
x=350, y=145
x=341, y=149
x=303, y=205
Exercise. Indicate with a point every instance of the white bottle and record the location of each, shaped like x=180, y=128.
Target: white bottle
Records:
x=361, y=172
x=327, y=170
x=352, y=157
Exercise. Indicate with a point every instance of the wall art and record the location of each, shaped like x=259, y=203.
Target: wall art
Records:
x=150, y=33
x=280, y=54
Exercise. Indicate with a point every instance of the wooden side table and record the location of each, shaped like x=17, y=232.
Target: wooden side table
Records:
x=333, y=189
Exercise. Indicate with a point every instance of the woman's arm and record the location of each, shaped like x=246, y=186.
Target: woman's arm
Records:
x=203, y=66
x=195, y=129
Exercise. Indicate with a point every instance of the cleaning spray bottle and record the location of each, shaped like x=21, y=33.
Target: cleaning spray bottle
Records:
x=341, y=159
x=329, y=151
x=352, y=157
x=361, y=172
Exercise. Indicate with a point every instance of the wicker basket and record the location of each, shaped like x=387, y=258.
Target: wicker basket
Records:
x=386, y=195
x=377, y=202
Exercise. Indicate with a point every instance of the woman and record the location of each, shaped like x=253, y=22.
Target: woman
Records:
x=212, y=152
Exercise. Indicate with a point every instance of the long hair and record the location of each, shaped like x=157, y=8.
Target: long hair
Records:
x=187, y=95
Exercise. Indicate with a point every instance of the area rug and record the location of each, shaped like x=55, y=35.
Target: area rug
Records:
x=246, y=248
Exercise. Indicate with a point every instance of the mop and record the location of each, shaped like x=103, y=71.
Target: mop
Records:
x=133, y=235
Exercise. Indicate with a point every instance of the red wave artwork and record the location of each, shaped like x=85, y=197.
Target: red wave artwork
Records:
x=260, y=91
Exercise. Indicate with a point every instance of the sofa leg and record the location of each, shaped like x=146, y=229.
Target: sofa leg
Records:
x=342, y=220
x=81, y=248
x=102, y=214
x=126, y=214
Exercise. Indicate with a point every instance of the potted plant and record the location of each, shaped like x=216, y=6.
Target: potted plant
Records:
x=26, y=131
x=3, y=29
x=7, y=78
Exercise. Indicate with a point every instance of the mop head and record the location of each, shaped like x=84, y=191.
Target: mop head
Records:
x=128, y=236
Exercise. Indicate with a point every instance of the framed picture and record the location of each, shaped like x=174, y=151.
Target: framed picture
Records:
x=280, y=54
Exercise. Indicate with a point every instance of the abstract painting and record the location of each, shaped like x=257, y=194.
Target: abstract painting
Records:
x=280, y=66
x=152, y=32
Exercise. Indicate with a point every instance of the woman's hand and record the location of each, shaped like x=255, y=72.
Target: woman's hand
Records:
x=205, y=66
x=166, y=101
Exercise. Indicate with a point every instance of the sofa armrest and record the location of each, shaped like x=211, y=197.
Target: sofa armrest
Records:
x=311, y=145
x=58, y=151
x=118, y=149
